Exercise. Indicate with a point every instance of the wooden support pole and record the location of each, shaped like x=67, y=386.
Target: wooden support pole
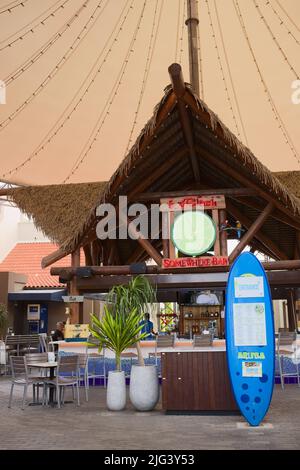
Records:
x=75, y=307
x=179, y=90
x=271, y=247
x=133, y=232
x=223, y=233
x=192, y=25
x=217, y=247
x=88, y=254
x=291, y=311
x=251, y=231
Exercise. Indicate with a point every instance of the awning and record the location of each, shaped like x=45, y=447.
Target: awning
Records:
x=54, y=295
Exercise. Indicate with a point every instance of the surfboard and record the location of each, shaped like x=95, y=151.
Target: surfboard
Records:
x=250, y=338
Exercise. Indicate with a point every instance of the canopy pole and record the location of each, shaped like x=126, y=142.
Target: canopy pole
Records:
x=192, y=25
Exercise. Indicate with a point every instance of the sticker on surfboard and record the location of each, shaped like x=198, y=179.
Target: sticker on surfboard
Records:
x=250, y=338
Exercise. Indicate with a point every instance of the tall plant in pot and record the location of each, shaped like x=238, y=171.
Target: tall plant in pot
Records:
x=117, y=332
x=138, y=294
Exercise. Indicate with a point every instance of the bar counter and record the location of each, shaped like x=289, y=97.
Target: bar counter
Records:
x=196, y=380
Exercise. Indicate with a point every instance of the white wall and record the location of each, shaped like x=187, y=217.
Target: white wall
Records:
x=15, y=227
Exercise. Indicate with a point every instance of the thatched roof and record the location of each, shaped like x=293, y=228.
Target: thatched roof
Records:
x=60, y=211
x=66, y=212
x=291, y=180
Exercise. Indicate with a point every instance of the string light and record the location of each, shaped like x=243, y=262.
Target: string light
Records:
x=106, y=109
x=58, y=125
x=152, y=43
x=8, y=9
x=229, y=72
x=32, y=29
x=182, y=27
x=270, y=100
x=41, y=51
x=177, y=30
x=200, y=62
x=288, y=16
x=79, y=38
x=222, y=69
x=282, y=23
x=259, y=12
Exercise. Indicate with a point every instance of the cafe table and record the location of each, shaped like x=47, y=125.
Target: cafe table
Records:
x=46, y=365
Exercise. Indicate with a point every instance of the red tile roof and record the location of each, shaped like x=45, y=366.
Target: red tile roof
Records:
x=25, y=258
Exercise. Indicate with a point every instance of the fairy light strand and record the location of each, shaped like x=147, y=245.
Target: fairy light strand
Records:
x=8, y=9
x=222, y=70
x=181, y=36
x=282, y=52
x=32, y=29
x=63, y=118
x=93, y=137
x=177, y=30
x=281, y=125
x=144, y=80
x=43, y=49
x=282, y=22
x=288, y=16
x=79, y=38
x=229, y=73
x=200, y=59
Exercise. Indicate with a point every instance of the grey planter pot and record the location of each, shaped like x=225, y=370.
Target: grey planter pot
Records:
x=144, y=388
x=116, y=391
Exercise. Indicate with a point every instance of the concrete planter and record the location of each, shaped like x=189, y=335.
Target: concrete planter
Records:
x=116, y=391
x=144, y=388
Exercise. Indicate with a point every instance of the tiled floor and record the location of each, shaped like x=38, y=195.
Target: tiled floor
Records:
x=92, y=426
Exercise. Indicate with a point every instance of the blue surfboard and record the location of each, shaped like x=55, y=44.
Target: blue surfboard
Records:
x=250, y=338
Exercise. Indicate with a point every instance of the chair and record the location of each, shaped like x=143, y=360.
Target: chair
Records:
x=93, y=360
x=202, y=341
x=83, y=372
x=21, y=377
x=36, y=357
x=67, y=374
x=286, y=347
x=162, y=341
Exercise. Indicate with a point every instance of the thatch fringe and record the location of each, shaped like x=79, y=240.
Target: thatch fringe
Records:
x=62, y=212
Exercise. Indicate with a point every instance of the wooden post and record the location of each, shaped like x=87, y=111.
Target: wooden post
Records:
x=223, y=234
x=252, y=231
x=291, y=311
x=192, y=24
x=165, y=231
x=88, y=254
x=75, y=307
x=217, y=247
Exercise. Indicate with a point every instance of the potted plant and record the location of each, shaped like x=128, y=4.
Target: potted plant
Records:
x=144, y=387
x=117, y=332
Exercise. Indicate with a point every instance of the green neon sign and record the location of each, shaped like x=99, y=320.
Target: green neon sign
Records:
x=193, y=233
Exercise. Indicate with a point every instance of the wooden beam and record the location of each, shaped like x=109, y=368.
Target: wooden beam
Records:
x=154, y=269
x=96, y=251
x=88, y=254
x=217, y=247
x=276, y=214
x=228, y=192
x=244, y=181
x=291, y=311
x=53, y=257
x=178, y=87
x=142, y=241
x=251, y=231
x=260, y=236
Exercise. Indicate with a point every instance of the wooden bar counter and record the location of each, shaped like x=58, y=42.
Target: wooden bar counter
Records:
x=196, y=380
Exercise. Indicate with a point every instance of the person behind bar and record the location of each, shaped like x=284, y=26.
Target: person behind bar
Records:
x=58, y=334
x=147, y=327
